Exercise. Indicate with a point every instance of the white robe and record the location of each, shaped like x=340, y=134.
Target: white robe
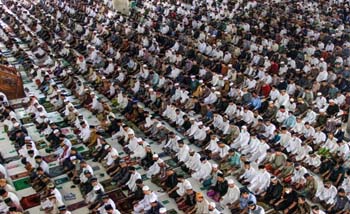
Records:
x=232, y=195
x=203, y=172
x=132, y=181
x=145, y=203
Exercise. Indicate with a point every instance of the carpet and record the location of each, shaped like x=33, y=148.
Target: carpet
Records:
x=86, y=155
x=18, y=176
x=172, y=211
x=50, y=158
x=40, y=144
x=22, y=183
x=56, y=171
x=26, y=120
x=76, y=206
x=62, y=124
x=179, y=171
x=80, y=148
x=60, y=181
x=30, y=201
x=171, y=163
x=108, y=186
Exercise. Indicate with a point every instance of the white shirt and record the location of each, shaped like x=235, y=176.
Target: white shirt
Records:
x=132, y=181
x=203, y=172
x=111, y=156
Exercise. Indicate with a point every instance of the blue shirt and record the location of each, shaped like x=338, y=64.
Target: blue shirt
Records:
x=243, y=202
x=256, y=102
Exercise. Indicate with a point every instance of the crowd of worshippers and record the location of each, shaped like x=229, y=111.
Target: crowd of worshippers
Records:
x=262, y=89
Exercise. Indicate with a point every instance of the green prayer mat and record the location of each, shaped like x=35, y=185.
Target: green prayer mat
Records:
x=62, y=124
x=27, y=120
x=2, y=138
x=21, y=183
x=165, y=202
x=70, y=136
x=80, y=148
x=144, y=177
x=56, y=171
x=179, y=171
x=60, y=181
x=108, y=186
x=172, y=211
x=171, y=163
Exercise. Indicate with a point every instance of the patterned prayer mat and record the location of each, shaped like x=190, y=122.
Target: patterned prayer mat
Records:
x=30, y=201
x=108, y=186
x=40, y=144
x=26, y=120
x=179, y=171
x=50, y=158
x=172, y=211
x=22, y=183
x=61, y=181
x=171, y=163
x=18, y=176
x=62, y=124
x=76, y=206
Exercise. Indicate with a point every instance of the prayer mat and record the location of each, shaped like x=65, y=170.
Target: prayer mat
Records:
x=70, y=136
x=76, y=206
x=22, y=183
x=40, y=144
x=10, y=159
x=86, y=155
x=65, y=131
x=117, y=195
x=50, y=158
x=26, y=120
x=179, y=171
x=30, y=201
x=61, y=181
x=74, y=141
x=144, y=177
x=162, y=155
x=95, y=168
x=172, y=211
x=80, y=148
x=18, y=176
x=171, y=163
x=165, y=202
x=62, y=124
x=56, y=171
x=108, y=186
x=69, y=197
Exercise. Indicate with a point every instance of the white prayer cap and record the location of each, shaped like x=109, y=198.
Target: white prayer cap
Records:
x=73, y=157
x=27, y=138
x=103, y=77
x=244, y=127
x=97, y=187
x=66, y=100
x=214, y=165
x=292, y=99
x=155, y=156
x=200, y=123
x=139, y=140
x=153, y=199
x=225, y=78
x=119, y=69
x=322, y=59
x=213, y=88
x=192, y=119
x=200, y=81
x=159, y=125
x=217, y=92
x=176, y=84
x=31, y=94
x=151, y=89
x=110, y=59
x=193, y=76
x=159, y=161
x=92, y=93
x=107, y=146
x=145, y=188
x=16, y=125
x=162, y=210
x=56, y=131
x=230, y=65
x=331, y=101
x=322, y=110
x=42, y=114
x=146, y=86
x=282, y=63
x=206, y=129
x=231, y=84
x=230, y=181
x=59, y=91
x=188, y=186
x=319, y=93
x=212, y=204
x=145, y=66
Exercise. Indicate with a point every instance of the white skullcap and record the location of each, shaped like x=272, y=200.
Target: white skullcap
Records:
x=16, y=125
x=244, y=127
x=212, y=204
x=42, y=114
x=162, y=210
x=97, y=187
x=176, y=84
x=230, y=65
x=200, y=81
x=200, y=123
x=159, y=125
x=107, y=146
x=230, y=181
x=225, y=78
x=153, y=199
x=319, y=93
x=193, y=76
x=188, y=186
x=155, y=156
x=160, y=161
x=27, y=138
x=331, y=101
x=56, y=131
x=145, y=188
x=215, y=165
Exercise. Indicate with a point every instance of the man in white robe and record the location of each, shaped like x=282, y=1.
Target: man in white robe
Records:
x=154, y=169
x=260, y=181
x=204, y=171
x=145, y=204
x=134, y=176
x=232, y=195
